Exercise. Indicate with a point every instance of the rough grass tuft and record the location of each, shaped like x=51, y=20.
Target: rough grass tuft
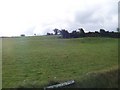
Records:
x=105, y=79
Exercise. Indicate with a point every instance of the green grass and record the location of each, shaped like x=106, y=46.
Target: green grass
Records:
x=0, y=63
x=37, y=60
x=102, y=79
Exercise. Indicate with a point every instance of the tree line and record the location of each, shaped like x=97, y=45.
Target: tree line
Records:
x=80, y=33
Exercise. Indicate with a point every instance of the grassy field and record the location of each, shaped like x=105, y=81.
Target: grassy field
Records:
x=0, y=63
x=36, y=61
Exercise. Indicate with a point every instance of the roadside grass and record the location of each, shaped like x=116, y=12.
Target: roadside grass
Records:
x=103, y=79
x=36, y=61
x=99, y=79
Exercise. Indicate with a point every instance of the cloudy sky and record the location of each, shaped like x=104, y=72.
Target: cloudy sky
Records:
x=42, y=16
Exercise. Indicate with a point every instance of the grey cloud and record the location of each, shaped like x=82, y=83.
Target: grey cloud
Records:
x=30, y=31
x=119, y=14
x=91, y=19
x=97, y=13
x=89, y=16
x=96, y=17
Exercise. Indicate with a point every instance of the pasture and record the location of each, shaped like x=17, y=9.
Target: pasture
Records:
x=35, y=61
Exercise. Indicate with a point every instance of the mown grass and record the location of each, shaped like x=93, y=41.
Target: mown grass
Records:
x=34, y=61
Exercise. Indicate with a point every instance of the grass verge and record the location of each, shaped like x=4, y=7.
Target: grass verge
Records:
x=101, y=79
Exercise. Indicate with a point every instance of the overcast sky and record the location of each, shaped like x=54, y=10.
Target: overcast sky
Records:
x=42, y=16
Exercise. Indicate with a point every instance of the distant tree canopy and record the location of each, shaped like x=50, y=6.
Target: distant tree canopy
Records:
x=74, y=34
x=102, y=31
x=22, y=35
x=56, y=31
x=77, y=34
x=64, y=33
x=118, y=29
x=81, y=31
x=49, y=33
